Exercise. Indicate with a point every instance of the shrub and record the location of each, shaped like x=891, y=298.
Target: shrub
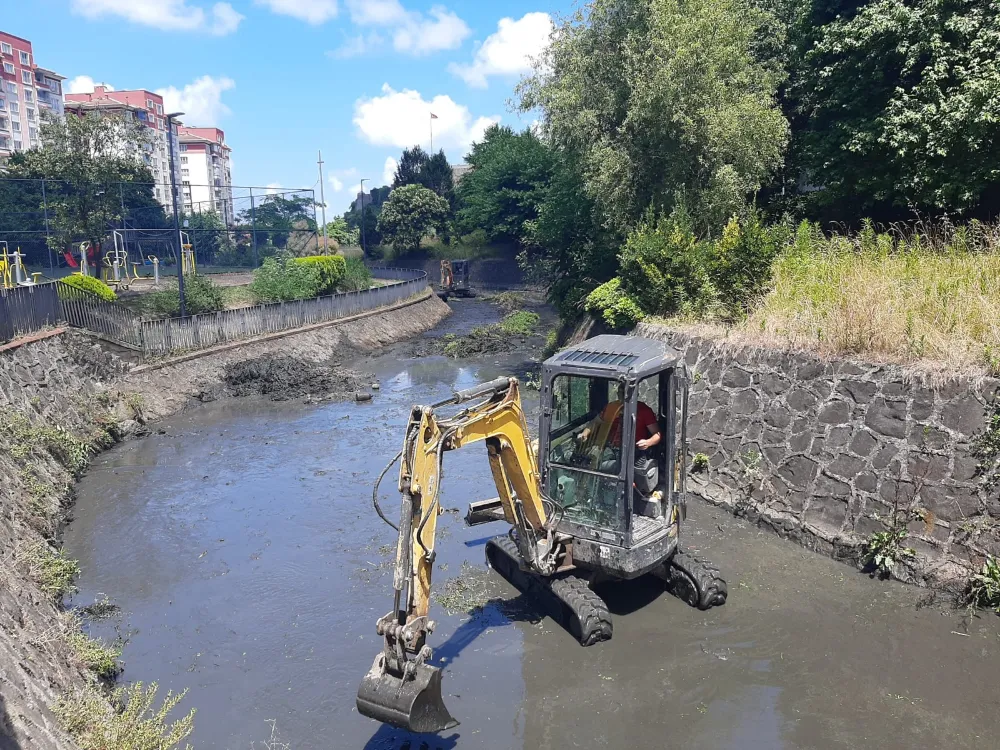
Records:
x=700, y=463
x=96, y=655
x=356, y=276
x=279, y=280
x=201, y=296
x=331, y=268
x=51, y=569
x=983, y=589
x=92, y=285
x=520, y=323
x=127, y=722
x=741, y=260
x=615, y=307
x=665, y=269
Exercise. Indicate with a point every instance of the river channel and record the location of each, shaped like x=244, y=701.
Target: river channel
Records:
x=250, y=568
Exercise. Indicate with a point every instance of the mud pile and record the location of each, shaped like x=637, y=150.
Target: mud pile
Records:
x=280, y=378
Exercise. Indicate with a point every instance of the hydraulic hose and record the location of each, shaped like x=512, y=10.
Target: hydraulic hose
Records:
x=378, y=508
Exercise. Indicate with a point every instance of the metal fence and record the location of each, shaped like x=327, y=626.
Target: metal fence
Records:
x=109, y=320
x=26, y=309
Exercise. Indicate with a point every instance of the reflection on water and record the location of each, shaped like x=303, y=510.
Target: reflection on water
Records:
x=243, y=546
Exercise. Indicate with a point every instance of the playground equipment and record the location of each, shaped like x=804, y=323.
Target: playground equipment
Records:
x=84, y=251
x=115, y=270
x=187, y=256
x=12, y=270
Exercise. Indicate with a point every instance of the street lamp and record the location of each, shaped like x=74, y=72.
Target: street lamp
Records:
x=364, y=249
x=177, y=221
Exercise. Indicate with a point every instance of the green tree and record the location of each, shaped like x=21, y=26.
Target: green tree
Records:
x=502, y=193
x=662, y=99
x=209, y=236
x=411, y=164
x=410, y=213
x=275, y=217
x=339, y=231
x=900, y=105
x=95, y=176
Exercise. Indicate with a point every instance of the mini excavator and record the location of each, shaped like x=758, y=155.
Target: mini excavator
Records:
x=586, y=506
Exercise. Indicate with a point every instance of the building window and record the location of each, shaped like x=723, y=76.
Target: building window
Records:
x=16, y=126
x=159, y=122
x=26, y=77
x=28, y=95
x=12, y=87
x=149, y=104
x=184, y=160
x=15, y=108
x=18, y=146
x=3, y=103
x=184, y=147
x=25, y=58
x=6, y=48
x=31, y=114
x=4, y=142
x=33, y=133
x=3, y=124
x=159, y=109
x=8, y=68
x=185, y=173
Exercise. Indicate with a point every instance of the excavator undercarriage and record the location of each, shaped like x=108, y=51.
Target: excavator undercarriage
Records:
x=602, y=497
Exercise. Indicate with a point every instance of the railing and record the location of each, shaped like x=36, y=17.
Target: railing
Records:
x=109, y=320
x=170, y=335
x=25, y=309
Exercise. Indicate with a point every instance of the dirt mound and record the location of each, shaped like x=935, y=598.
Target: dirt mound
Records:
x=280, y=377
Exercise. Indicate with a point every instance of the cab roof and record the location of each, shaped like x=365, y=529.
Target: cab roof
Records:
x=617, y=355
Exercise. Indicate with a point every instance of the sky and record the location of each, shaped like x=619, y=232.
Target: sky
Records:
x=357, y=79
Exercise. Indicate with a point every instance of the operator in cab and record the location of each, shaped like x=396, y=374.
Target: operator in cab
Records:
x=647, y=428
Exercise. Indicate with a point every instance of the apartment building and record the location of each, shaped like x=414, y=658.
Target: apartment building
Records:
x=206, y=177
x=26, y=90
x=146, y=107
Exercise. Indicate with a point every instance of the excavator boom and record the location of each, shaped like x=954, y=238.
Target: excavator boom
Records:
x=402, y=688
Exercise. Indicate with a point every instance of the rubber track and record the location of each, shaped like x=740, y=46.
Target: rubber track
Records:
x=568, y=598
x=696, y=581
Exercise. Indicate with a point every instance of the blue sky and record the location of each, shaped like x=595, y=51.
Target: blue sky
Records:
x=285, y=78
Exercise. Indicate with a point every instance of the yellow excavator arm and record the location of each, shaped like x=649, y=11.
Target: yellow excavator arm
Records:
x=402, y=688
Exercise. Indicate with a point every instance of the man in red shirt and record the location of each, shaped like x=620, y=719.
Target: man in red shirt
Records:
x=647, y=428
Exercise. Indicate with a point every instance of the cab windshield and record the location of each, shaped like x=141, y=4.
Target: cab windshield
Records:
x=585, y=449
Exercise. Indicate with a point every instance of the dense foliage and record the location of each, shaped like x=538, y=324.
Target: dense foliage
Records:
x=91, y=285
x=282, y=279
x=411, y=212
x=331, y=269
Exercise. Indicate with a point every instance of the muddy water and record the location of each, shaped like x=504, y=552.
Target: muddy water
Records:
x=243, y=548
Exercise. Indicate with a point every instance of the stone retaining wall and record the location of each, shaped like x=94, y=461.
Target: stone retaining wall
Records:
x=821, y=449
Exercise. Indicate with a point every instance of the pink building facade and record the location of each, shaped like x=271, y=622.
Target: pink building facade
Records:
x=206, y=175
x=26, y=91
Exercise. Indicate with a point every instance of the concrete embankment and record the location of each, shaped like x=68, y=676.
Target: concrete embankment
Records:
x=62, y=399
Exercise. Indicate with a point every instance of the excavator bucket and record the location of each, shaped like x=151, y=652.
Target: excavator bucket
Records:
x=412, y=704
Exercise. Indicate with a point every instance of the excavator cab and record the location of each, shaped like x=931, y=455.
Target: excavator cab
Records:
x=620, y=503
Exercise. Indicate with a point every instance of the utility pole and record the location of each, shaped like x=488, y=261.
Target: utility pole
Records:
x=364, y=249
x=177, y=221
x=322, y=200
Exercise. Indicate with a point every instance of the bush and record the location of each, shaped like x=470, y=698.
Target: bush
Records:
x=616, y=308
x=127, y=722
x=741, y=260
x=279, y=280
x=96, y=655
x=201, y=296
x=983, y=589
x=92, y=285
x=665, y=269
x=331, y=268
x=356, y=276
x=51, y=569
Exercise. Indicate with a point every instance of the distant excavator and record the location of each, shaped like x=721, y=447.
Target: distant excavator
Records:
x=589, y=505
x=454, y=279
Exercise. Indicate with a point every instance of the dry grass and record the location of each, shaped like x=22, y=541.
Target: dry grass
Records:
x=888, y=296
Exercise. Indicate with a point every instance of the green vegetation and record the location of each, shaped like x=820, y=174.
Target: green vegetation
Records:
x=520, y=323
x=96, y=655
x=986, y=445
x=281, y=279
x=201, y=296
x=466, y=593
x=128, y=721
x=614, y=306
x=92, y=285
x=331, y=268
x=409, y=214
x=884, y=549
x=983, y=589
x=50, y=569
x=356, y=276
x=699, y=463
x=26, y=438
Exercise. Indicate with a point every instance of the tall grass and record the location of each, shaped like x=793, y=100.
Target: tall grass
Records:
x=902, y=295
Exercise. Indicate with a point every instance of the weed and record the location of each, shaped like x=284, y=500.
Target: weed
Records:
x=136, y=404
x=101, y=609
x=986, y=445
x=551, y=344
x=884, y=549
x=520, y=323
x=96, y=655
x=127, y=722
x=506, y=301
x=50, y=569
x=467, y=592
x=983, y=589
x=699, y=463
x=273, y=743
x=25, y=438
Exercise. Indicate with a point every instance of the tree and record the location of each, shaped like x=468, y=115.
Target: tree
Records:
x=922, y=131
x=661, y=100
x=502, y=193
x=411, y=164
x=416, y=167
x=209, y=236
x=276, y=217
x=339, y=231
x=409, y=214
x=95, y=176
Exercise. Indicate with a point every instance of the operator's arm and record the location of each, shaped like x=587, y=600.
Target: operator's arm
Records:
x=646, y=422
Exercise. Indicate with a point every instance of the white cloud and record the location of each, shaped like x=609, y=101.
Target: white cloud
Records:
x=402, y=119
x=200, y=101
x=412, y=32
x=336, y=184
x=355, y=189
x=85, y=85
x=358, y=45
x=314, y=12
x=389, y=170
x=272, y=188
x=166, y=15
x=508, y=51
